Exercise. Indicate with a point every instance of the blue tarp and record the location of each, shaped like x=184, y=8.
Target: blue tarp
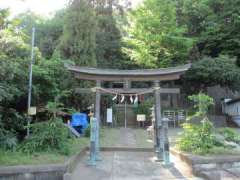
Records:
x=79, y=119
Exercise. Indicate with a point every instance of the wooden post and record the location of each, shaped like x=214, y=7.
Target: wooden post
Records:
x=97, y=116
x=158, y=122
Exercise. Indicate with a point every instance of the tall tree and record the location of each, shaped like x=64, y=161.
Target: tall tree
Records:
x=215, y=24
x=48, y=30
x=155, y=39
x=79, y=35
x=209, y=71
x=4, y=13
x=108, y=37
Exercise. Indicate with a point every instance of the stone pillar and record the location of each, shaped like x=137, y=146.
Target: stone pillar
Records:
x=93, y=139
x=98, y=101
x=158, y=122
x=166, y=156
x=67, y=176
x=98, y=117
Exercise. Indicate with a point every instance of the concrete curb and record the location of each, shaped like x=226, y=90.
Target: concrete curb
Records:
x=127, y=149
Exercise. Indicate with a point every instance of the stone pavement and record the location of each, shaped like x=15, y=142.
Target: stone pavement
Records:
x=131, y=166
x=127, y=138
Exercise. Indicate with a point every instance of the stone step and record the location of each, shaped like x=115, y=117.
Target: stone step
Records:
x=219, y=175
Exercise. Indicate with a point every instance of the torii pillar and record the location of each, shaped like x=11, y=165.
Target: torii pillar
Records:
x=98, y=117
x=159, y=139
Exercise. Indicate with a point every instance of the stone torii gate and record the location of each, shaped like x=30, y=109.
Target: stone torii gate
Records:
x=128, y=76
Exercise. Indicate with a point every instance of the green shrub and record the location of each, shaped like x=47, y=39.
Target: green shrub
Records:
x=198, y=139
x=8, y=140
x=47, y=136
x=202, y=102
x=230, y=135
x=87, y=131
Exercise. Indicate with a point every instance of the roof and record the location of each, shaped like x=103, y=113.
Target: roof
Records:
x=87, y=73
x=233, y=101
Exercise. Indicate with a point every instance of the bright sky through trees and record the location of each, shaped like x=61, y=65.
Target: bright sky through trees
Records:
x=42, y=7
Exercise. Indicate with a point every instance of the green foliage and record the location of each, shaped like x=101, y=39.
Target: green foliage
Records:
x=78, y=42
x=48, y=31
x=9, y=158
x=221, y=29
x=4, y=13
x=215, y=25
x=144, y=108
x=193, y=14
x=213, y=71
x=87, y=131
x=198, y=139
x=155, y=39
x=230, y=135
x=108, y=37
x=47, y=136
x=202, y=103
x=8, y=140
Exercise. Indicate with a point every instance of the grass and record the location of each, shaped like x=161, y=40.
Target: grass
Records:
x=108, y=138
x=8, y=158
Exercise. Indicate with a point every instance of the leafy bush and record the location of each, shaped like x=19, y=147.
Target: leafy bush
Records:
x=8, y=141
x=202, y=103
x=214, y=71
x=198, y=139
x=47, y=136
x=230, y=135
x=87, y=131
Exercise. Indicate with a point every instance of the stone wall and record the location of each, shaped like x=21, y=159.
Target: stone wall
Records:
x=209, y=167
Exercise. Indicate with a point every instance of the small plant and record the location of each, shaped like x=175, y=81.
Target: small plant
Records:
x=47, y=136
x=202, y=103
x=199, y=138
